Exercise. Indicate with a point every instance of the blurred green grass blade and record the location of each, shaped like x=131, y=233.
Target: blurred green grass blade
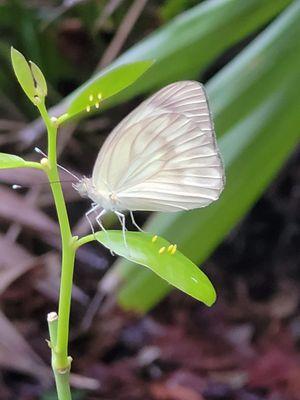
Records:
x=267, y=61
x=202, y=34
x=254, y=149
x=172, y=266
x=105, y=85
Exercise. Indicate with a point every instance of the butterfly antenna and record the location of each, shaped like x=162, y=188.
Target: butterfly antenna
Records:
x=39, y=151
x=18, y=187
x=69, y=172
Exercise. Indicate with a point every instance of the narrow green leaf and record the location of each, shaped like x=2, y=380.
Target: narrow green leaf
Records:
x=158, y=256
x=11, y=161
x=41, y=84
x=189, y=43
x=105, y=85
x=23, y=73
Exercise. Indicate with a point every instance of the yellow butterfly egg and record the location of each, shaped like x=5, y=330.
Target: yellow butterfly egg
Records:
x=154, y=239
x=173, y=251
x=170, y=248
x=161, y=250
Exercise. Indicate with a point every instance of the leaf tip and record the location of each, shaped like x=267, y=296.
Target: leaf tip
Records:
x=210, y=301
x=14, y=52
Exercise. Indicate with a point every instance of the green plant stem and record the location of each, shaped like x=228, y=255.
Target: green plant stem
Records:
x=61, y=376
x=62, y=382
x=61, y=363
x=52, y=319
x=85, y=239
x=32, y=164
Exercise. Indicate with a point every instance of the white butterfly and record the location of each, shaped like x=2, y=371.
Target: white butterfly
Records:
x=162, y=157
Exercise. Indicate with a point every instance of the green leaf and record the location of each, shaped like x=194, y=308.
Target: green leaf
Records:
x=156, y=254
x=23, y=73
x=256, y=105
x=11, y=161
x=30, y=77
x=105, y=85
x=40, y=81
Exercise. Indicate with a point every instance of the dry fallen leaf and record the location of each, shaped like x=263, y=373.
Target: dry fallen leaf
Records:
x=14, y=208
x=17, y=355
x=14, y=261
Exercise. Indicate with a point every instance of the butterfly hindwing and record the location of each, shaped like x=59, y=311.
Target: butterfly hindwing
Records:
x=163, y=156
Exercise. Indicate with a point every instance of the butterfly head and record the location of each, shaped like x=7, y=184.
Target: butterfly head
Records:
x=84, y=187
x=106, y=199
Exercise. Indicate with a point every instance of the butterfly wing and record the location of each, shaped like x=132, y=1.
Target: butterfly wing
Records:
x=163, y=156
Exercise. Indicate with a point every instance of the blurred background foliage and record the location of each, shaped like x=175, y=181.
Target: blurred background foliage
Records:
x=248, y=55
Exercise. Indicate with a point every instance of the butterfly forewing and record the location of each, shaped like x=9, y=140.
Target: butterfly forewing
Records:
x=163, y=156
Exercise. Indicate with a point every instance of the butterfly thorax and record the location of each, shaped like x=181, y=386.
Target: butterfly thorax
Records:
x=106, y=199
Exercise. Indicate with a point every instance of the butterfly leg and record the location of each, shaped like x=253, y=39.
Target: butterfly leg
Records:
x=98, y=219
x=94, y=208
x=122, y=217
x=99, y=222
x=134, y=223
x=121, y=220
